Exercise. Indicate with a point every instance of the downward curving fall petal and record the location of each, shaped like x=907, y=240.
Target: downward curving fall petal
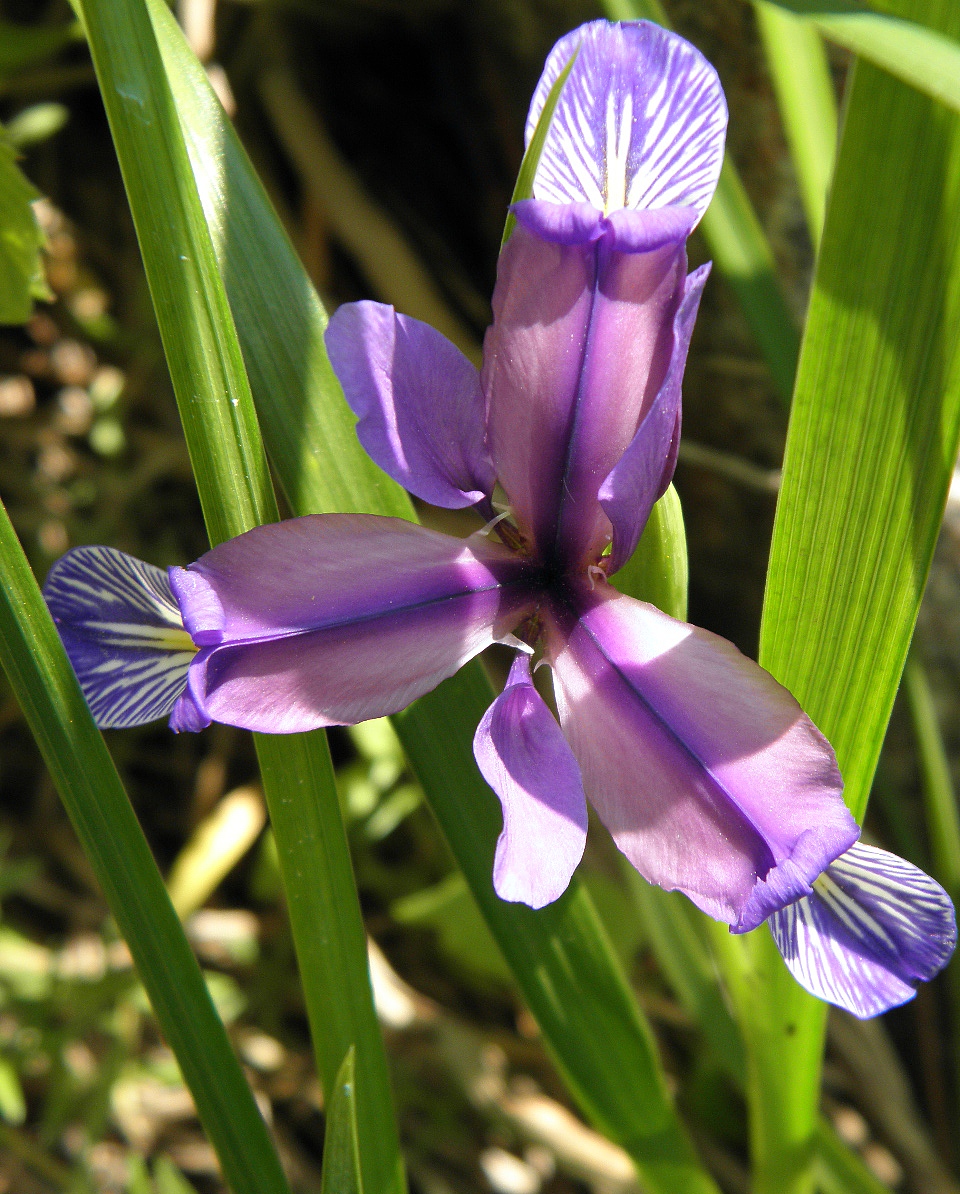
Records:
x=335, y=618
x=707, y=773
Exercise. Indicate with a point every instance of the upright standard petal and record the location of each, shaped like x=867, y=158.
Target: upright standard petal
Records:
x=707, y=773
x=525, y=758
x=122, y=630
x=418, y=400
x=640, y=122
x=872, y=929
x=644, y=471
x=335, y=618
x=580, y=345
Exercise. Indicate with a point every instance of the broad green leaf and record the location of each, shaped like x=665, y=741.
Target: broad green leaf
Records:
x=550, y=952
x=43, y=681
x=738, y=244
x=21, y=270
x=220, y=425
x=341, y=1148
x=657, y=570
x=873, y=438
x=925, y=58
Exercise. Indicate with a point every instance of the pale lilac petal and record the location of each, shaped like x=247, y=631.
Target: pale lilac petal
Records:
x=418, y=400
x=706, y=771
x=644, y=471
x=640, y=122
x=579, y=347
x=625, y=231
x=335, y=618
x=123, y=632
x=524, y=757
x=874, y=927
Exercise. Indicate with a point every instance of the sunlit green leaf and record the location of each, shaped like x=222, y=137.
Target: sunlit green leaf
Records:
x=21, y=269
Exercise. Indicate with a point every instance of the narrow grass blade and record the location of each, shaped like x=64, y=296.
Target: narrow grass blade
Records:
x=942, y=815
x=213, y=393
x=940, y=800
x=528, y=167
x=738, y=245
x=808, y=107
x=341, y=1149
x=305, y=420
x=561, y=957
x=74, y=751
x=925, y=58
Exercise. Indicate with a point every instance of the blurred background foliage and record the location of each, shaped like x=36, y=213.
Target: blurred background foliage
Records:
x=389, y=134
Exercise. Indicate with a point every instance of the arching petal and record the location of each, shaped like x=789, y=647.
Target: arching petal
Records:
x=644, y=471
x=579, y=347
x=418, y=400
x=874, y=927
x=524, y=757
x=122, y=630
x=335, y=618
x=640, y=122
x=706, y=771
x=624, y=231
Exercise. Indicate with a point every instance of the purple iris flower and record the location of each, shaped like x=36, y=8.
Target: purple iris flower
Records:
x=872, y=928
x=706, y=771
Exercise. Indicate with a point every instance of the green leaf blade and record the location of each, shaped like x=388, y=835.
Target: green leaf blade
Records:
x=73, y=749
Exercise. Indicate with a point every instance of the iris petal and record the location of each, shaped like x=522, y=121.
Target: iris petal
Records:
x=705, y=770
x=644, y=471
x=525, y=758
x=873, y=927
x=335, y=618
x=418, y=400
x=640, y=122
x=585, y=336
x=122, y=630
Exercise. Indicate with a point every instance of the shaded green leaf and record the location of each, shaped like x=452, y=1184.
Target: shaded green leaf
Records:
x=341, y=1147
x=209, y=378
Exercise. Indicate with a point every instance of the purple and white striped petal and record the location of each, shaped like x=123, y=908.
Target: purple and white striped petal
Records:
x=525, y=758
x=418, y=400
x=580, y=345
x=706, y=771
x=644, y=471
x=873, y=928
x=122, y=630
x=335, y=618
x=640, y=122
